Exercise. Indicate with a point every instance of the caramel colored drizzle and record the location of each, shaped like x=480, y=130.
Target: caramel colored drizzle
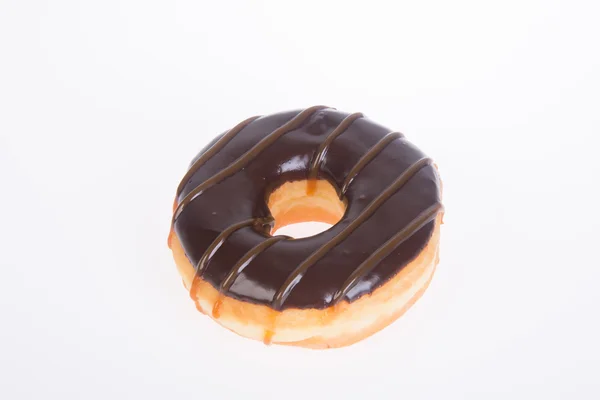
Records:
x=214, y=149
x=384, y=250
x=270, y=330
x=298, y=273
x=268, y=338
x=247, y=259
x=218, y=242
x=238, y=267
x=324, y=147
x=215, y=245
x=248, y=156
x=216, y=311
x=368, y=157
x=237, y=270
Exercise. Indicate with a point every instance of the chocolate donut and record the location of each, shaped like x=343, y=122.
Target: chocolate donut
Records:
x=389, y=210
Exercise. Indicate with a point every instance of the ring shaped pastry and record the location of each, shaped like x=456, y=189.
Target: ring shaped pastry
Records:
x=381, y=193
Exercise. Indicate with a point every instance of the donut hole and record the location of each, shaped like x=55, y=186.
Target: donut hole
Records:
x=303, y=229
x=303, y=208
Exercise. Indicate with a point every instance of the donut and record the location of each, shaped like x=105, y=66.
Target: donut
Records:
x=381, y=194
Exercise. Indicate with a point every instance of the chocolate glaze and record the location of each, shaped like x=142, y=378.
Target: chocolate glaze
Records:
x=391, y=189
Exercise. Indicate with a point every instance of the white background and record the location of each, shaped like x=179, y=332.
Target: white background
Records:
x=103, y=104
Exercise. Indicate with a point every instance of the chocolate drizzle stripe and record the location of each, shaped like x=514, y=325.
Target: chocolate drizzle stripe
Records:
x=298, y=273
x=214, y=149
x=218, y=242
x=384, y=250
x=247, y=259
x=248, y=156
x=322, y=150
x=367, y=157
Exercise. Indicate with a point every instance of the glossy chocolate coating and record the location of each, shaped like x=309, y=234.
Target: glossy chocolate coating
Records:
x=389, y=186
